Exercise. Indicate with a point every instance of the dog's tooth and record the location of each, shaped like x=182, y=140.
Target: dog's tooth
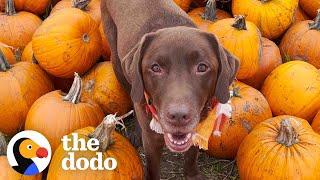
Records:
x=175, y=142
x=189, y=136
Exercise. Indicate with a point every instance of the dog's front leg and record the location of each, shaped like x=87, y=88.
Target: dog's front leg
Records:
x=191, y=169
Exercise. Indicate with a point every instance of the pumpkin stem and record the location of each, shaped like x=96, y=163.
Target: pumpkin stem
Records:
x=104, y=131
x=75, y=91
x=287, y=135
x=240, y=22
x=80, y=4
x=10, y=10
x=4, y=65
x=3, y=145
x=210, y=12
x=264, y=1
x=316, y=24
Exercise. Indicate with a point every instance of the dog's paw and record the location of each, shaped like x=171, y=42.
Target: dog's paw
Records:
x=196, y=177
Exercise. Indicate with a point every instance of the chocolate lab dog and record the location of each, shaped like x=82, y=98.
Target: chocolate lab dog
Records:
x=160, y=56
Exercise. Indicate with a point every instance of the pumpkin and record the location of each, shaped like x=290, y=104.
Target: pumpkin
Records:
x=56, y=114
x=300, y=15
x=271, y=58
x=249, y=108
x=310, y=7
x=16, y=29
x=293, y=89
x=106, y=52
x=8, y=53
x=203, y=16
x=101, y=86
x=20, y=85
x=68, y=41
x=316, y=123
x=242, y=39
x=92, y=7
x=27, y=54
x=111, y=144
x=273, y=17
x=283, y=147
x=183, y=4
x=37, y=7
x=302, y=42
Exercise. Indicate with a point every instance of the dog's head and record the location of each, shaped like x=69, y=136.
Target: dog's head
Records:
x=181, y=69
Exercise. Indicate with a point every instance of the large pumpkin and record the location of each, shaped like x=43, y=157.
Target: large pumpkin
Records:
x=8, y=53
x=102, y=86
x=183, y=4
x=111, y=144
x=310, y=7
x=106, y=52
x=249, y=108
x=243, y=39
x=284, y=147
x=271, y=58
x=68, y=41
x=273, y=17
x=20, y=85
x=56, y=114
x=91, y=7
x=316, y=123
x=302, y=42
x=293, y=88
x=16, y=29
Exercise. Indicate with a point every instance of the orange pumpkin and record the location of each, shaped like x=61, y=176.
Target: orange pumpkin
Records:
x=249, y=108
x=111, y=144
x=243, y=39
x=310, y=7
x=34, y=6
x=92, y=7
x=102, y=86
x=8, y=53
x=271, y=58
x=302, y=42
x=293, y=89
x=68, y=41
x=16, y=29
x=27, y=54
x=56, y=114
x=20, y=85
x=183, y=4
x=284, y=147
x=316, y=123
x=300, y=15
x=106, y=52
x=204, y=16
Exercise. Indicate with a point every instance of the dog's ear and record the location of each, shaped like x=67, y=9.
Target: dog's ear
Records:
x=228, y=67
x=131, y=67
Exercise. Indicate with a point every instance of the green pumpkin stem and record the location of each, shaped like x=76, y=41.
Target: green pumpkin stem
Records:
x=80, y=4
x=3, y=145
x=10, y=9
x=75, y=91
x=316, y=24
x=104, y=131
x=210, y=12
x=4, y=65
x=287, y=135
x=240, y=22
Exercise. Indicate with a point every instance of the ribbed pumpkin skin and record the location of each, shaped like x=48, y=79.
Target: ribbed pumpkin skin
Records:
x=7, y=52
x=17, y=30
x=300, y=15
x=248, y=110
x=310, y=7
x=54, y=118
x=183, y=4
x=34, y=6
x=301, y=43
x=244, y=44
x=316, y=123
x=20, y=86
x=101, y=85
x=93, y=8
x=271, y=58
x=129, y=164
x=260, y=156
x=68, y=41
x=27, y=54
x=8, y=173
x=293, y=88
x=272, y=18
x=106, y=52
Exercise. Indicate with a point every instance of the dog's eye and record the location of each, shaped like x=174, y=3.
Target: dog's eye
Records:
x=202, y=68
x=156, y=68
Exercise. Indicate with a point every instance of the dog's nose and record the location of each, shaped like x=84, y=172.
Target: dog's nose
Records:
x=178, y=114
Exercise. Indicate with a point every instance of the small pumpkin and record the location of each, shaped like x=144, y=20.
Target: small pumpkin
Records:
x=310, y=7
x=102, y=86
x=183, y=4
x=27, y=54
x=8, y=53
x=106, y=52
x=20, y=85
x=271, y=58
x=92, y=7
x=203, y=16
x=249, y=108
x=284, y=147
x=293, y=89
x=241, y=38
x=68, y=41
x=111, y=144
x=316, y=123
x=273, y=17
x=16, y=29
x=302, y=42
x=300, y=15
x=56, y=114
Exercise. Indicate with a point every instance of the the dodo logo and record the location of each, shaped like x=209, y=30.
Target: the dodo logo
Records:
x=29, y=152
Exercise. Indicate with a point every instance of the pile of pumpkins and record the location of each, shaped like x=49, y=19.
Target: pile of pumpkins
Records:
x=56, y=78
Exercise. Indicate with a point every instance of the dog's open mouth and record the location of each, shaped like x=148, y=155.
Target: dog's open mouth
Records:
x=178, y=142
